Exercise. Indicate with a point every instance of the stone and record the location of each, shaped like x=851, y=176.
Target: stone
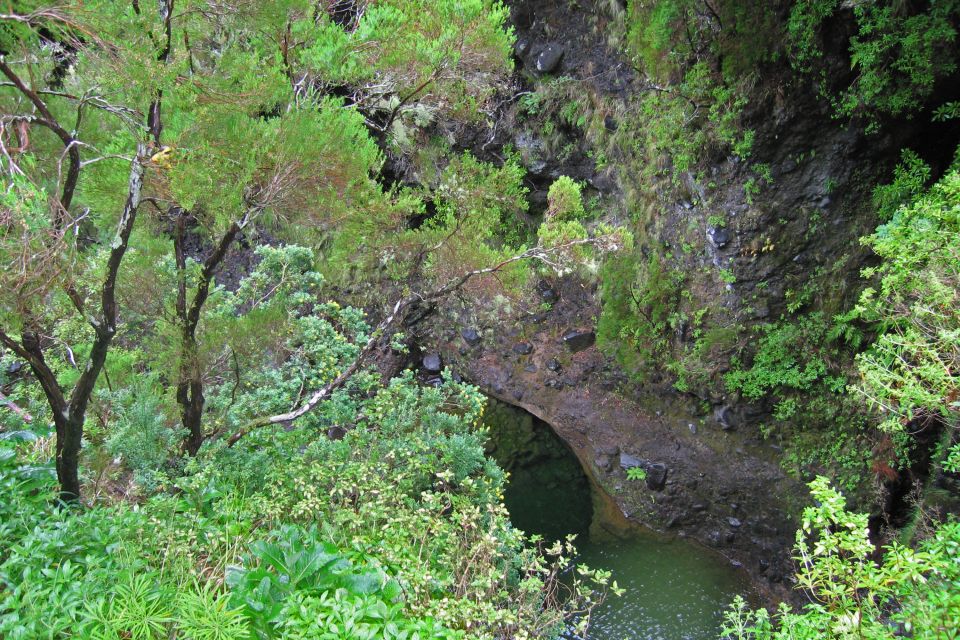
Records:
x=604, y=463
x=523, y=348
x=471, y=337
x=699, y=507
x=521, y=48
x=549, y=296
x=435, y=381
x=693, y=428
x=656, y=476
x=725, y=417
x=719, y=236
x=530, y=368
x=549, y=59
x=432, y=363
x=554, y=365
x=734, y=522
x=610, y=123
x=628, y=461
x=336, y=432
x=579, y=339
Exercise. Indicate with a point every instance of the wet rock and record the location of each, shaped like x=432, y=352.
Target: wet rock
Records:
x=523, y=348
x=471, y=337
x=736, y=564
x=579, y=339
x=549, y=59
x=734, y=522
x=432, y=363
x=719, y=237
x=554, y=365
x=554, y=384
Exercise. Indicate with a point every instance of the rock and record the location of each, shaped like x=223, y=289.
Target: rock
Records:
x=579, y=339
x=530, y=368
x=656, y=476
x=608, y=450
x=734, y=522
x=518, y=395
x=610, y=123
x=521, y=48
x=523, y=348
x=719, y=237
x=547, y=293
x=628, y=461
x=693, y=428
x=604, y=463
x=435, y=381
x=471, y=337
x=336, y=432
x=725, y=417
x=554, y=365
x=736, y=564
x=432, y=363
x=699, y=507
x=549, y=59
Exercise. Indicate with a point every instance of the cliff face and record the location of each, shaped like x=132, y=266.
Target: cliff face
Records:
x=745, y=244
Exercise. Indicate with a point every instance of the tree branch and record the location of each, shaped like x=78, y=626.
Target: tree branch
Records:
x=49, y=121
x=549, y=256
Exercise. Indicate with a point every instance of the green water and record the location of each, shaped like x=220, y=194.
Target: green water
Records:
x=675, y=589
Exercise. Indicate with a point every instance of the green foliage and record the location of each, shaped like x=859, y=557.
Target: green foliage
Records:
x=140, y=434
x=898, y=53
x=564, y=200
x=670, y=34
x=910, y=178
x=640, y=310
x=908, y=370
x=852, y=595
x=636, y=473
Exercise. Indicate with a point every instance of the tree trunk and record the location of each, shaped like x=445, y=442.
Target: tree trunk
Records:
x=69, y=435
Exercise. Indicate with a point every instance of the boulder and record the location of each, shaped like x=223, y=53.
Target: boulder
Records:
x=656, y=476
x=579, y=339
x=549, y=59
x=471, y=337
x=432, y=363
x=719, y=237
x=523, y=348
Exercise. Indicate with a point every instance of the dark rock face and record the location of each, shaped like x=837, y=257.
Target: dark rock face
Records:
x=470, y=336
x=432, y=363
x=549, y=59
x=523, y=348
x=579, y=339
